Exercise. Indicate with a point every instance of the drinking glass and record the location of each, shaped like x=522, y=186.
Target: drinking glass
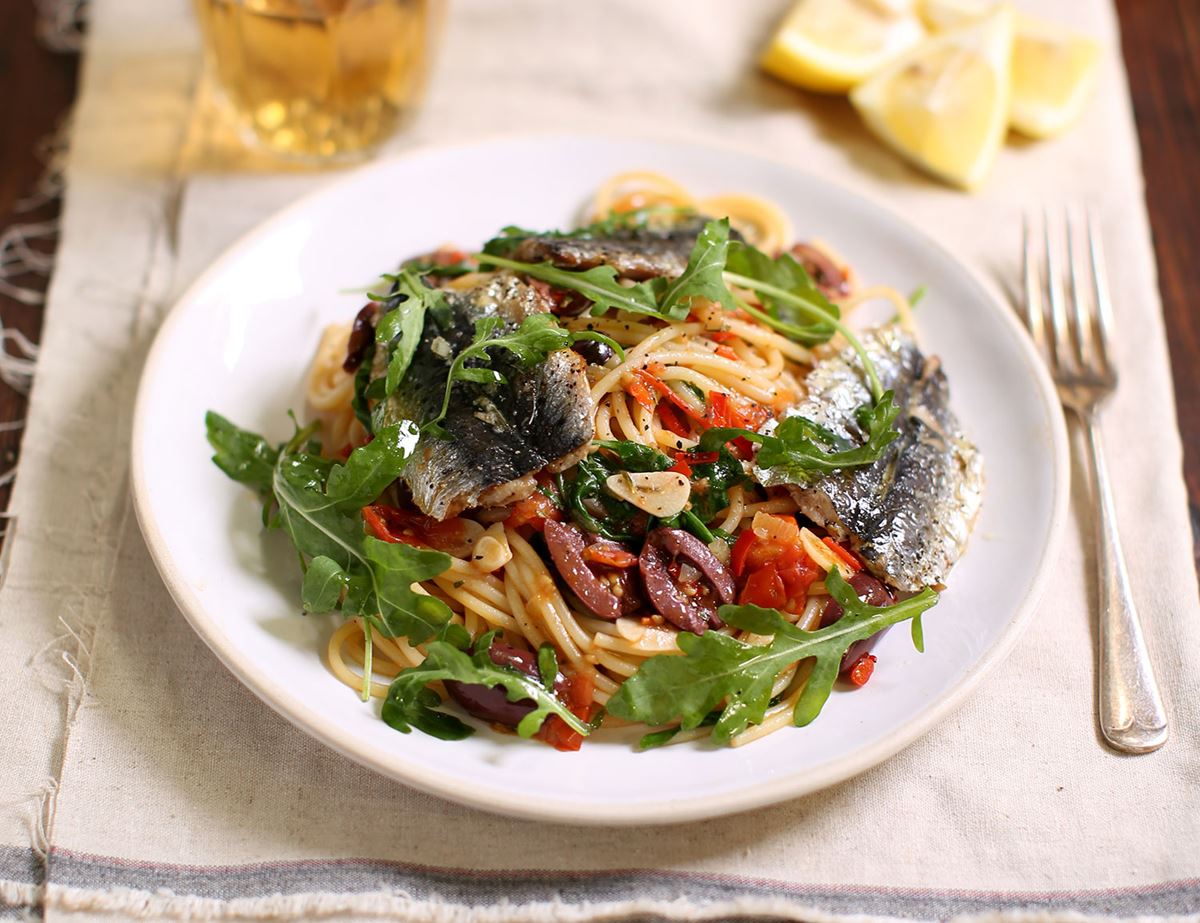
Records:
x=319, y=79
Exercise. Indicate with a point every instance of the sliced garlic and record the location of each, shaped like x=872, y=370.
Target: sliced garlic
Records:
x=630, y=629
x=822, y=556
x=659, y=493
x=492, y=551
x=720, y=550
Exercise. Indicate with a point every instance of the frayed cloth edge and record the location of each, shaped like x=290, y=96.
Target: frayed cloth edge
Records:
x=142, y=905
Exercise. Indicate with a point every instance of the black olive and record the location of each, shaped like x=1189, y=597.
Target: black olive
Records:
x=593, y=351
x=873, y=593
x=361, y=335
x=658, y=563
x=491, y=702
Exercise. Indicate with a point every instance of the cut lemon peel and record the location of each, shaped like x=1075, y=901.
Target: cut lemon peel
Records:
x=944, y=105
x=830, y=46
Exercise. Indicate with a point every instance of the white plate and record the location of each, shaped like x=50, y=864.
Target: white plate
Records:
x=239, y=342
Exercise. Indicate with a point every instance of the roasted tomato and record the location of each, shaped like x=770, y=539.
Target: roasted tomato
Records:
x=393, y=524
x=772, y=566
x=534, y=511
x=576, y=691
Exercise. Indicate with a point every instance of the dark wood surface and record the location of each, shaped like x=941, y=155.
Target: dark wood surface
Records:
x=1161, y=43
x=36, y=88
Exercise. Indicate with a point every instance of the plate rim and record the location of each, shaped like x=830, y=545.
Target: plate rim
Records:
x=670, y=811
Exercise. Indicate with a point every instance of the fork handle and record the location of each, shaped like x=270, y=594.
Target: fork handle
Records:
x=1132, y=717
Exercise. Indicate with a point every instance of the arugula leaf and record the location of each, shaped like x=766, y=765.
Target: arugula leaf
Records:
x=246, y=457
x=598, y=284
x=711, y=482
x=411, y=703
x=425, y=267
x=394, y=568
x=371, y=467
x=801, y=450
x=547, y=665
x=537, y=337
x=663, y=737
x=807, y=316
x=511, y=236
x=588, y=485
x=360, y=401
x=613, y=224
x=399, y=329
x=703, y=277
x=716, y=668
x=634, y=456
x=669, y=299
x=324, y=582
x=319, y=506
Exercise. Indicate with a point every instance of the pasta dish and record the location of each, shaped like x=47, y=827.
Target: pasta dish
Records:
x=651, y=470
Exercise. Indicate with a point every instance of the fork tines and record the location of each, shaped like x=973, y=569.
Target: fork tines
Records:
x=1069, y=314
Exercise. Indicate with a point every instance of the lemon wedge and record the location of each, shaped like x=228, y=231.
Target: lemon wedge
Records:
x=944, y=104
x=940, y=15
x=1053, y=73
x=832, y=45
x=1053, y=69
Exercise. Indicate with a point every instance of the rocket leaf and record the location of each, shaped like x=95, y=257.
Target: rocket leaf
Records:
x=813, y=320
x=703, y=277
x=399, y=329
x=246, y=457
x=800, y=450
x=411, y=703
x=668, y=299
x=598, y=284
x=717, y=668
x=537, y=337
x=318, y=504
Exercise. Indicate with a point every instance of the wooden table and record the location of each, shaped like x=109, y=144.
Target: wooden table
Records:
x=1161, y=40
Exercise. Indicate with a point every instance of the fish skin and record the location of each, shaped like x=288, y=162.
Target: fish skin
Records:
x=501, y=435
x=635, y=253
x=909, y=514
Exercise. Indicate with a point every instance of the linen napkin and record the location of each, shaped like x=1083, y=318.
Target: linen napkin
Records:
x=141, y=781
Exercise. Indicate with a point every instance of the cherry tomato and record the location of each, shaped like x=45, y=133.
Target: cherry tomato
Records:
x=850, y=560
x=764, y=587
x=578, y=698
x=673, y=420
x=533, y=511
x=393, y=524
x=609, y=554
x=862, y=669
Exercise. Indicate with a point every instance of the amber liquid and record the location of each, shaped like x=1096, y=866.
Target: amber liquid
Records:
x=319, y=78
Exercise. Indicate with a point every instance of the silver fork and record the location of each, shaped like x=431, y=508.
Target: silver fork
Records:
x=1074, y=341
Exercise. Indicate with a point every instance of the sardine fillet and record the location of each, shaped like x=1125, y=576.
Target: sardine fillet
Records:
x=501, y=434
x=908, y=515
x=638, y=253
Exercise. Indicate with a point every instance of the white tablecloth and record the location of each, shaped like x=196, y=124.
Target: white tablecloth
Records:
x=140, y=780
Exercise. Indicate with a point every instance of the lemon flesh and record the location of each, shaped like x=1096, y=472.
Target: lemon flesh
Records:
x=940, y=15
x=1053, y=73
x=944, y=105
x=832, y=45
x=1053, y=69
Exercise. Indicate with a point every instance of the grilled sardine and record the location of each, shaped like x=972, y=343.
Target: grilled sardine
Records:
x=501, y=435
x=635, y=253
x=910, y=513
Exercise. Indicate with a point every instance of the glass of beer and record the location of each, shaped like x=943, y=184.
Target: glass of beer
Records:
x=319, y=79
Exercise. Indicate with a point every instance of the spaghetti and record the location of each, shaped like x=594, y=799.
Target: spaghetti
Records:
x=675, y=380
